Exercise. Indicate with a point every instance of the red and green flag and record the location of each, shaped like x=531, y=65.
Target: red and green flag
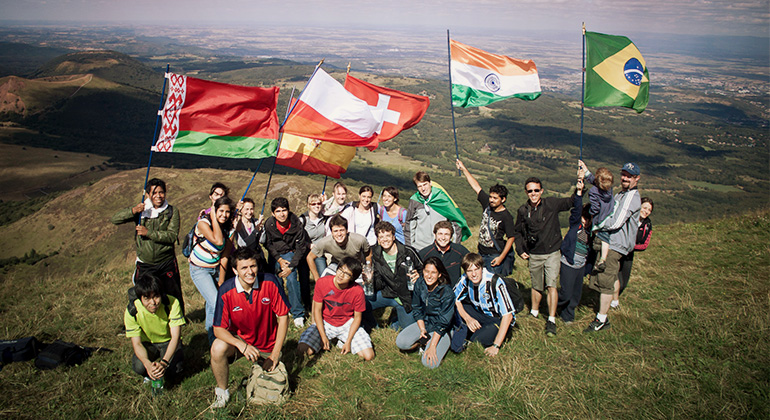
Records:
x=217, y=119
x=616, y=74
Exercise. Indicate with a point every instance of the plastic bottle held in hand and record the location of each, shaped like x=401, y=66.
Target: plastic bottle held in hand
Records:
x=368, y=280
x=157, y=386
x=409, y=269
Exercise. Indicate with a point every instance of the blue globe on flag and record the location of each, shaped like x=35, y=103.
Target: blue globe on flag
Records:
x=634, y=71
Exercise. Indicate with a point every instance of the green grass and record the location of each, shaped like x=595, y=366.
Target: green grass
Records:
x=713, y=187
x=690, y=339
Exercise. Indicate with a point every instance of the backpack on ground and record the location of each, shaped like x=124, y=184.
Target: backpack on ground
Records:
x=61, y=352
x=20, y=350
x=268, y=387
x=513, y=291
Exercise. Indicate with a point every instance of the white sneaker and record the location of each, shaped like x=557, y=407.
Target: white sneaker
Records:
x=222, y=397
x=299, y=322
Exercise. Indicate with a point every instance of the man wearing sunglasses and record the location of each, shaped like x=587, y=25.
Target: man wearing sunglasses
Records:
x=538, y=239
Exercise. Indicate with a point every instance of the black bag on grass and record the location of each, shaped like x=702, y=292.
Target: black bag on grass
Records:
x=61, y=352
x=19, y=350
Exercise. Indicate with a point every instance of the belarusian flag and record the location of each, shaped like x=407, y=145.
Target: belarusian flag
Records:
x=216, y=119
x=315, y=156
x=616, y=74
x=480, y=78
x=444, y=205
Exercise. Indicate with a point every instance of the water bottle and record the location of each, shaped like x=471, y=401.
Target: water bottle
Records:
x=409, y=269
x=157, y=387
x=368, y=280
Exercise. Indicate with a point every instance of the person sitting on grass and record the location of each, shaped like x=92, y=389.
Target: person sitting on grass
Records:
x=433, y=308
x=154, y=324
x=251, y=319
x=338, y=307
x=484, y=305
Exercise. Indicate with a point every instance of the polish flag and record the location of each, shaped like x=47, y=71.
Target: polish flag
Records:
x=395, y=110
x=326, y=111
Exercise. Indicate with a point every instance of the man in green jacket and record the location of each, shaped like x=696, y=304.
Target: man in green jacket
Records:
x=157, y=229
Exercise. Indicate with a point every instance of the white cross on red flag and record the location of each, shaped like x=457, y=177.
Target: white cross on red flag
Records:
x=396, y=110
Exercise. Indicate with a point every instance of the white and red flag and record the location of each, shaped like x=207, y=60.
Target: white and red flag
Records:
x=396, y=110
x=326, y=111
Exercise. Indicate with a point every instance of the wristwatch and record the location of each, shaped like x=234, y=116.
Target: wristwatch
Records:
x=495, y=346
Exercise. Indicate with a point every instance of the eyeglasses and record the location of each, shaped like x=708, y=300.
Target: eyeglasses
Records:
x=315, y=204
x=531, y=191
x=344, y=274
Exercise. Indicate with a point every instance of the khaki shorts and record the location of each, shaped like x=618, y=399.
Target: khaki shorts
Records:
x=544, y=270
x=604, y=283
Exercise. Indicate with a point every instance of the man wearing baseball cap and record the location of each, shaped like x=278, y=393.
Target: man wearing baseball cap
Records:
x=622, y=225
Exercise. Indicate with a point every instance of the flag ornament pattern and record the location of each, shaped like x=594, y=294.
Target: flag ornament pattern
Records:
x=616, y=73
x=442, y=202
x=315, y=156
x=480, y=78
x=326, y=111
x=396, y=111
x=217, y=119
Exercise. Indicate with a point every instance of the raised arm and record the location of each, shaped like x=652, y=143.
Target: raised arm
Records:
x=468, y=177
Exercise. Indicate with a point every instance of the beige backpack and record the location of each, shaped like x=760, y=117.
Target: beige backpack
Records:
x=268, y=387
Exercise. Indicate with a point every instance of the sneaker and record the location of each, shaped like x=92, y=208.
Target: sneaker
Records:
x=223, y=396
x=597, y=325
x=615, y=304
x=299, y=322
x=534, y=316
x=600, y=266
x=550, y=328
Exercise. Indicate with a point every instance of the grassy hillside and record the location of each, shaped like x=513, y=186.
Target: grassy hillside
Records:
x=690, y=340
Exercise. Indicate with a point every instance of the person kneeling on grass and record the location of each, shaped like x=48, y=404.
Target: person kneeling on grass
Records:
x=338, y=307
x=484, y=305
x=154, y=324
x=433, y=308
x=251, y=319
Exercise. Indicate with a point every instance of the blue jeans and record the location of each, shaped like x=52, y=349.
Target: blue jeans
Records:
x=205, y=280
x=409, y=335
x=378, y=301
x=504, y=269
x=293, y=288
x=320, y=264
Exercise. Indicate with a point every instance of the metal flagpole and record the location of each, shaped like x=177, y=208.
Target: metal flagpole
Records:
x=451, y=106
x=155, y=136
x=326, y=178
x=280, y=129
x=583, y=92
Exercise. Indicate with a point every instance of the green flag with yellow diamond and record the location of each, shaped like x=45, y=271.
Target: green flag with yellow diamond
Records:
x=616, y=74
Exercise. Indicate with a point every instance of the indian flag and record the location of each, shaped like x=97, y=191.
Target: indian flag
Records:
x=217, y=119
x=480, y=78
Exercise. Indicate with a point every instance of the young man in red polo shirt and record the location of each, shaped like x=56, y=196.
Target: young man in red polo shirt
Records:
x=251, y=318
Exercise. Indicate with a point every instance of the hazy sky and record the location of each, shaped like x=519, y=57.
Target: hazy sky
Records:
x=723, y=17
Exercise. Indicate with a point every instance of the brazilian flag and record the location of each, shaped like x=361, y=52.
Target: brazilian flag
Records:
x=616, y=74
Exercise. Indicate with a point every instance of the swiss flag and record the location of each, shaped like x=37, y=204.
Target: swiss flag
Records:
x=396, y=110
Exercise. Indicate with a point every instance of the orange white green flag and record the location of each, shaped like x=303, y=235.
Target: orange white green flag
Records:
x=480, y=78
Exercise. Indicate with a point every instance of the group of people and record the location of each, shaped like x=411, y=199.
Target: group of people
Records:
x=365, y=256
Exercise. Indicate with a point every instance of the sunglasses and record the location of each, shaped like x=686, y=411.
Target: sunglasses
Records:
x=315, y=204
x=531, y=191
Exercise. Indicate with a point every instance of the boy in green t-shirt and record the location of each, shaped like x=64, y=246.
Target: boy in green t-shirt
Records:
x=153, y=323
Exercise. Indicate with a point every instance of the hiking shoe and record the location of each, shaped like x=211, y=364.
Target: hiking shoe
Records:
x=223, y=396
x=299, y=322
x=615, y=304
x=600, y=266
x=550, y=328
x=597, y=325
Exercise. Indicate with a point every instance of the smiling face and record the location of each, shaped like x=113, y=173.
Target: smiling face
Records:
x=534, y=191
x=387, y=199
x=385, y=239
x=474, y=273
x=365, y=199
x=314, y=206
x=157, y=196
x=340, y=234
x=246, y=271
x=430, y=274
x=628, y=181
x=495, y=201
x=151, y=303
x=424, y=188
x=443, y=236
x=216, y=195
x=340, y=195
x=248, y=210
x=343, y=277
x=223, y=214
x=281, y=214
x=646, y=210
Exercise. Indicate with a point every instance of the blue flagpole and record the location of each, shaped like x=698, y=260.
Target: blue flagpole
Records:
x=155, y=135
x=451, y=106
x=326, y=178
x=583, y=92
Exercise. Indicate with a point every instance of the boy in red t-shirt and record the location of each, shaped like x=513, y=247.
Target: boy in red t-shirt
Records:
x=338, y=306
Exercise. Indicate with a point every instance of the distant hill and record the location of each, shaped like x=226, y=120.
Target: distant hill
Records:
x=109, y=65
x=24, y=59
